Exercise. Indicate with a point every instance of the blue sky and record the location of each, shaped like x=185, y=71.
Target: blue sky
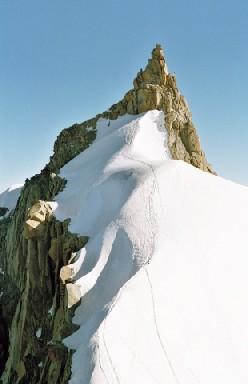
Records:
x=63, y=61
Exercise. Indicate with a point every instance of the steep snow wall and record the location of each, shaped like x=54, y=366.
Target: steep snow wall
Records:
x=163, y=278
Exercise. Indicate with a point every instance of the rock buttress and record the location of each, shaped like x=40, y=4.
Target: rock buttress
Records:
x=34, y=304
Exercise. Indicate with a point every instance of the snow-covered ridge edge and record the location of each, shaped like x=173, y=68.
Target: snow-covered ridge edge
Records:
x=8, y=199
x=127, y=194
x=102, y=198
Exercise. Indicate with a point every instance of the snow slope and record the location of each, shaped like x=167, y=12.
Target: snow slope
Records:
x=9, y=197
x=163, y=277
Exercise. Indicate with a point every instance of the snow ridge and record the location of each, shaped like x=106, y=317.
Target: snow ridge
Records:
x=110, y=192
x=163, y=276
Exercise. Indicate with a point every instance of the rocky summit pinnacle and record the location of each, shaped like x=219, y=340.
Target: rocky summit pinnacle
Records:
x=153, y=88
x=155, y=72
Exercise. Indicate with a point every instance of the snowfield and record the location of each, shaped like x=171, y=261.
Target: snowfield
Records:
x=163, y=277
x=9, y=197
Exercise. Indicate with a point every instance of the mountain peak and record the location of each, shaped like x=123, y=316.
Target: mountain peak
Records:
x=154, y=88
x=90, y=221
x=155, y=72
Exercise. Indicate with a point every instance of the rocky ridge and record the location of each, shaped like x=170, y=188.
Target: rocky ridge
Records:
x=153, y=88
x=37, y=293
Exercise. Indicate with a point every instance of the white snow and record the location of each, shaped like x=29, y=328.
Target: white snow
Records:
x=53, y=205
x=51, y=311
x=38, y=332
x=163, y=277
x=9, y=197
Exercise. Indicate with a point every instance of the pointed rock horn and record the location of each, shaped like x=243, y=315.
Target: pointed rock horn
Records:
x=155, y=72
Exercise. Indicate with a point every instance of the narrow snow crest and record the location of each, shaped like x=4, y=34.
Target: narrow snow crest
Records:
x=111, y=192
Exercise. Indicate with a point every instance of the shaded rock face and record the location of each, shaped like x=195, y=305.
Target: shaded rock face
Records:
x=70, y=143
x=4, y=343
x=3, y=211
x=34, y=247
x=37, y=294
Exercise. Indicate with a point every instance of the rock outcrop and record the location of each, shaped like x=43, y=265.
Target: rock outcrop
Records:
x=155, y=88
x=38, y=296
x=3, y=211
x=33, y=248
x=38, y=217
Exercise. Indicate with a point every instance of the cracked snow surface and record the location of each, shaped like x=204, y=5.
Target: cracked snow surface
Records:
x=163, y=275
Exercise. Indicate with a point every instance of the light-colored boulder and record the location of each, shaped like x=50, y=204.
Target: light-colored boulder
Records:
x=38, y=215
x=66, y=273
x=73, y=294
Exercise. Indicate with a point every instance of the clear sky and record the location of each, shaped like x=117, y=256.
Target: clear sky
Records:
x=63, y=61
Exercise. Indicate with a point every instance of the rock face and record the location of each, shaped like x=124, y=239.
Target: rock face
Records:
x=155, y=88
x=3, y=211
x=38, y=296
x=33, y=248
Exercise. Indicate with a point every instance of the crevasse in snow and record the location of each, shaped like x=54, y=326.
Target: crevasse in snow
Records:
x=163, y=277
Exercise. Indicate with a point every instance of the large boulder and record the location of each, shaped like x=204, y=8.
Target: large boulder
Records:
x=38, y=215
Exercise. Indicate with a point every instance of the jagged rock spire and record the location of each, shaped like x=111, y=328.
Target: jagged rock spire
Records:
x=155, y=72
